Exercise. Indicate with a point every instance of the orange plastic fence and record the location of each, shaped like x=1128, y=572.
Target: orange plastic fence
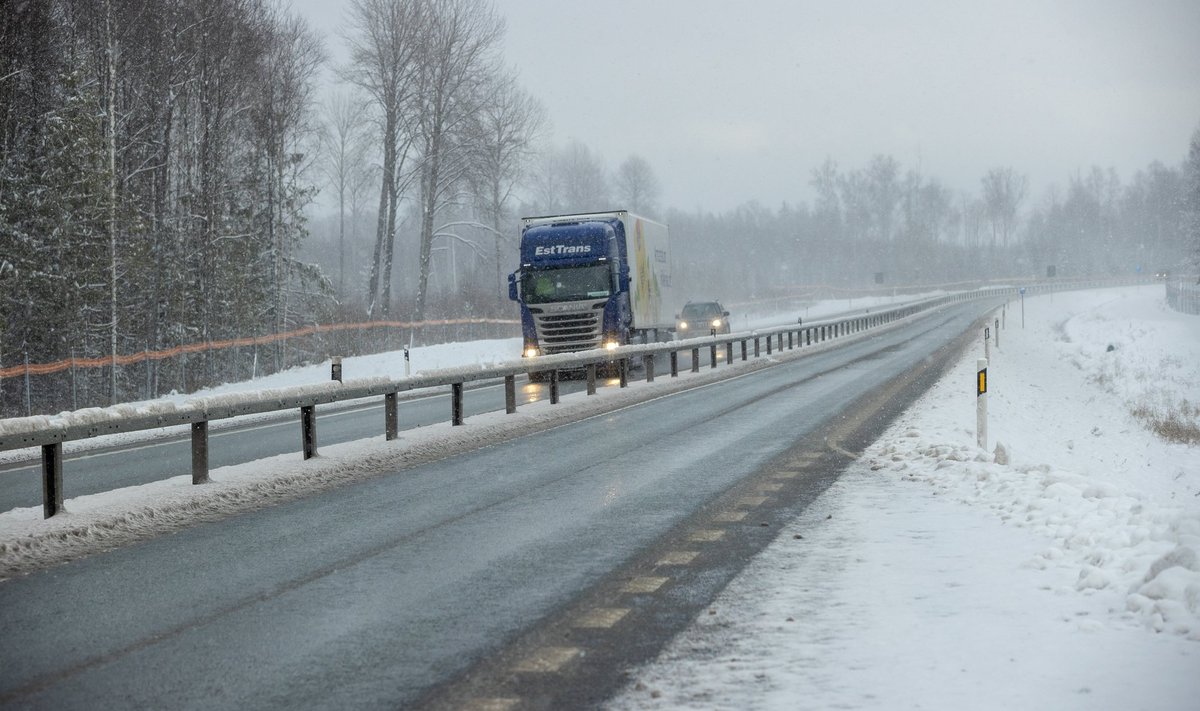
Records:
x=61, y=365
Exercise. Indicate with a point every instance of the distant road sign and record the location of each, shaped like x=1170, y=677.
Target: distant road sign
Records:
x=1022, y=291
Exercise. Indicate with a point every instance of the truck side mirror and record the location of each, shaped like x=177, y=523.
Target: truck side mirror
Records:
x=512, y=286
x=623, y=278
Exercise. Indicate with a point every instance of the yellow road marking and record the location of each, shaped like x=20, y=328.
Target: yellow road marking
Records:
x=729, y=516
x=707, y=535
x=770, y=487
x=678, y=558
x=786, y=474
x=497, y=704
x=751, y=501
x=547, y=660
x=645, y=584
x=601, y=617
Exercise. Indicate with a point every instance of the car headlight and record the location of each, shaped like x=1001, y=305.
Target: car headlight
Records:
x=683, y=325
x=716, y=323
x=531, y=352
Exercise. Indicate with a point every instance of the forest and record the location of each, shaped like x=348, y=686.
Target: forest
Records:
x=173, y=175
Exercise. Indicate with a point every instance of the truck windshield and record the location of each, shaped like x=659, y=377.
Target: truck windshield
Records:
x=540, y=286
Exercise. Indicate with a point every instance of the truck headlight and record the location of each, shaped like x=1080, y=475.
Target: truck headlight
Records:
x=611, y=345
x=531, y=352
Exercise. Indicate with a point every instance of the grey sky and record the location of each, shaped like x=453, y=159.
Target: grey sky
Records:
x=731, y=102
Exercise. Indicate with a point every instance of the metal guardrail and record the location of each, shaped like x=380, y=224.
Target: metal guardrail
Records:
x=50, y=433
x=1184, y=296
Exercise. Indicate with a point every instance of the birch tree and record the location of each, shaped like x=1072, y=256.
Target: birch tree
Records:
x=387, y=40
x=459, y=57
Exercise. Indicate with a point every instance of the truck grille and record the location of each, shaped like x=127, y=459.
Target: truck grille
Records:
x=567, y=327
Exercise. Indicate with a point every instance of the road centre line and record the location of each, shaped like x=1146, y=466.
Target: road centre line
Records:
x=751, y=502
x=678, y=557
x=645, y=584
x=547, y=660
x=491, y=704
x=601, y=617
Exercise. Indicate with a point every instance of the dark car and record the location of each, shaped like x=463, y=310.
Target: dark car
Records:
x=701, y=318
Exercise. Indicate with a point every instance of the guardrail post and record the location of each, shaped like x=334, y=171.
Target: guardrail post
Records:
x=52, y=489
x=591, y=379
x=510, y=394
x=790, y=346
x=200, y=452
x=712, y=356
x=553, y=388
x=648, y=362
x=456, y=401
x=674, y=364
x=308, y=429
x=728, y=352
x=391, y=417
x=768, y=345
x=695, y=360
x=808, y=336
x=623, y=367
x=743, y=349
x=781, y=341
x=756, y=344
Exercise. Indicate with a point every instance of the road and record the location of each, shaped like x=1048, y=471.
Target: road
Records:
x=375, y=594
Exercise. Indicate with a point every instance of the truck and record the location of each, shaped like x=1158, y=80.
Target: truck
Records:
x=593, y=280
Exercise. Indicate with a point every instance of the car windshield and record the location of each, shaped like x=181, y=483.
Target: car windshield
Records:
x=565, y=284
x=697, y=311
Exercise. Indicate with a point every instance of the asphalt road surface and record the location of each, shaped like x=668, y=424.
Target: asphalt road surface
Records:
x=375, y=595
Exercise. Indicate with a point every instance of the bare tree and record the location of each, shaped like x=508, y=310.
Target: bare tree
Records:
x=583, y=179
x=637, y=186
x=1003, y=192
x=344, y=165
x=506, y=128
x=386, y=40
x=460, y=40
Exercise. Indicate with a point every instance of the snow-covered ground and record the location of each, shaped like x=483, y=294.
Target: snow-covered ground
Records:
x=933, y=576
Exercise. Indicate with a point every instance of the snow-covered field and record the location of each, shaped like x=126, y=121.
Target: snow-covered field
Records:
x=933, y=576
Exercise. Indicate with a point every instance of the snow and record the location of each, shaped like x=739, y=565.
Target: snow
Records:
x=931, y=576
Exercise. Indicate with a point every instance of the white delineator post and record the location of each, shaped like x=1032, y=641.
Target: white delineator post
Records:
x=981, y=402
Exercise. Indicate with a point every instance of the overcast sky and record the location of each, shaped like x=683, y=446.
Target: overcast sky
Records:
x=731, y=102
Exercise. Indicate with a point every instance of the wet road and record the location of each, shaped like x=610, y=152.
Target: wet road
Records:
x=369, y=595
